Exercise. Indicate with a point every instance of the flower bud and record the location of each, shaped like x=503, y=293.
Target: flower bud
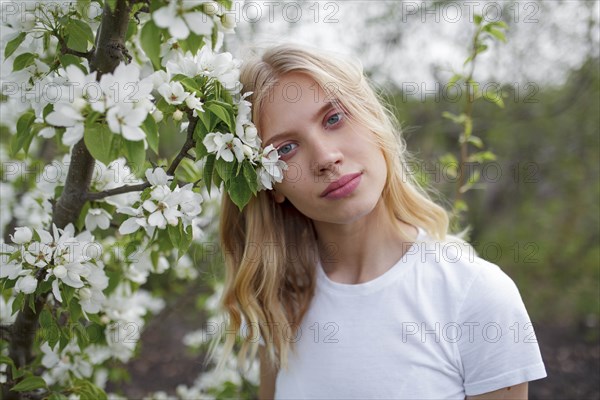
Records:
x=22, y=235
x=26, y=284
x=85, y=293
x=248, y=152
x=228, y=21
x=250, y=132
x=210, y=8
x=177, y=115
x=157, y=115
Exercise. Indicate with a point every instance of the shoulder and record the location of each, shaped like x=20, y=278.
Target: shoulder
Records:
x=454, y=269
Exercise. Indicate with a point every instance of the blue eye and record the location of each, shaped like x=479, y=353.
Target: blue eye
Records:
x=334, y=118
x=282, y=150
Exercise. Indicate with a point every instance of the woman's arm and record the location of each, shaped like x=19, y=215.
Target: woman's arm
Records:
x=518, y=392
x=268, y=373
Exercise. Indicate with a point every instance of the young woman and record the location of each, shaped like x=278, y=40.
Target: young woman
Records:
x=344, y=274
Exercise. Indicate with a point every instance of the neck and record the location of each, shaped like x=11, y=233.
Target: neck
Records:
x=363, y=249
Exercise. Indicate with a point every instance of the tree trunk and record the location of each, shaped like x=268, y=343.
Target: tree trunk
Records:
x=110, y=50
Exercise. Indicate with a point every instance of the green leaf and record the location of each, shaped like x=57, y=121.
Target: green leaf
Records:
x=453, y=81
x=102, y=143
x=481, y=48
x=79, y=35
x=239, y=191
x=24, y=132
x=149, y=126
x=135, y=153
x=224, y=169
x=224, y=112
x=500, y=24
x=460, y=205
x=14, y=44
x=150, y=41
x=207, y=173
x=82, y=338
x=449, y=164
x=459, y=119
x=23, y=60
x=481, y=157
x=190, y=84
x=45, y=319
x=209, y=121
x=70, y=59
x=495, y=97
x=194, y=42
x=80, y=223
x=477, y=18
x=18, y=303
x=184, y=236
x=214, y=37
x=29, y=383
x=201, y=151
x=67, y=292
x=251, y=176
x=498, y=34
x=75, y=310
x=475, y=141
x=6, y=360
x=174, y=234
x=131, y=29
x=87, y=390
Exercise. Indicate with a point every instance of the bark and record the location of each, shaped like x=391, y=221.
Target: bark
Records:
x=110, y=51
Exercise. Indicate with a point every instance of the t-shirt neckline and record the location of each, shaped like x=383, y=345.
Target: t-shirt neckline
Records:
x=409, y=257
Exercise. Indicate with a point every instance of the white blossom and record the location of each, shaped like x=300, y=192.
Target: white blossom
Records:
x=179, y=17
x=22, y=235
x=26, y=284
x=97, y=218
x=224, y=145
x=173, y=92
x=126, y=121
x=158, y=177
x=271, y=168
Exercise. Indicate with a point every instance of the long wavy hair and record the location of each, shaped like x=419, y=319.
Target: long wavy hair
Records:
x=270, y=249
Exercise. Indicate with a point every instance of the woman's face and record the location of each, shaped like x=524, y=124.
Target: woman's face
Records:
x=321, y=146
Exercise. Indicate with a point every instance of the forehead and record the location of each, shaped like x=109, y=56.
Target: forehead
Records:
x=293, y=98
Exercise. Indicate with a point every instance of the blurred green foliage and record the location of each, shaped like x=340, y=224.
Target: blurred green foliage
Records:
x=537, y=213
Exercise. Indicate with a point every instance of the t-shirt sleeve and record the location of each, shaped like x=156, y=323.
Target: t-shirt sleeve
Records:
x=498, y=347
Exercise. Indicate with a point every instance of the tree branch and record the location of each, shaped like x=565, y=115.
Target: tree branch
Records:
x=189, y=144
x=118, y=190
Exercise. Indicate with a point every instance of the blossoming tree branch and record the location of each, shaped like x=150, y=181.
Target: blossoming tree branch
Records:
x=114, y=76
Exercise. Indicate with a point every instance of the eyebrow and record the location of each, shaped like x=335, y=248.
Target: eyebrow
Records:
x=287, y=133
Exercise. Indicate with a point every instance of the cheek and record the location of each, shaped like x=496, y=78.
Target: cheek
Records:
x=293, y=174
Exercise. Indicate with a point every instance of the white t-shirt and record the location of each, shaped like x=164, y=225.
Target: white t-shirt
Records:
x=442, y=323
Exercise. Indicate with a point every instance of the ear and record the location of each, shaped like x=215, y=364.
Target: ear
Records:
x=278, y=197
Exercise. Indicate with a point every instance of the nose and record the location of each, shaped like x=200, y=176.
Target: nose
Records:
x=327, y=157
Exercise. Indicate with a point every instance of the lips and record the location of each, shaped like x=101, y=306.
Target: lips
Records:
x=343, y=181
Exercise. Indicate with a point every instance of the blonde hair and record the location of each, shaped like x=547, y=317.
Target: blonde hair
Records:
x=268, y=284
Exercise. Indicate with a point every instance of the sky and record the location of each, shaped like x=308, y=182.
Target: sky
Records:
x=418, y=42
